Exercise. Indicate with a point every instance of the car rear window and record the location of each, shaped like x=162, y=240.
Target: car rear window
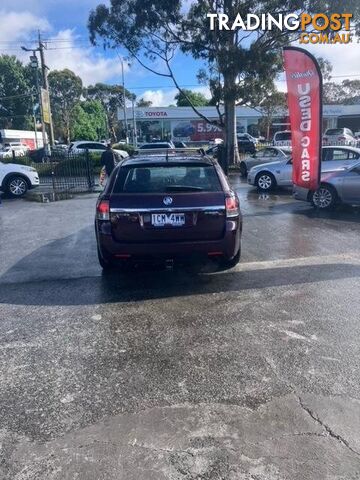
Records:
x=167, y=178
x=282, y=136
x=335, y=131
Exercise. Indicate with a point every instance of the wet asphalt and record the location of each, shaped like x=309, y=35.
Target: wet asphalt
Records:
x=246, y=374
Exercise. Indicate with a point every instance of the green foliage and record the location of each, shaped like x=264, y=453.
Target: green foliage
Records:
x=17, y=161
x=65, y=92
x=144, y=103
x=130, y=149
x=272, y=105
x=88, y=121
x=111, y=98
x=14, y=112
x=186, y=98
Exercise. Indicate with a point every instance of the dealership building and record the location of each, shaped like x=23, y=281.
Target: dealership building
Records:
x=182, y=124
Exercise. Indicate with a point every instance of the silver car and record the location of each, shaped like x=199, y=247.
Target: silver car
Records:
x=266, y=155
x=340, y=186
x=269, y=175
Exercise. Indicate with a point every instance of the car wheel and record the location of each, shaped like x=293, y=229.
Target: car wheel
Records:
x=243, y=169
x=227, y=264
x=105, y=264
x=17, y=186
x=265, y=181
x=325, y=197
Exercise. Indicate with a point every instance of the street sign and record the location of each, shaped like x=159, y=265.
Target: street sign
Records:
x=45, y=103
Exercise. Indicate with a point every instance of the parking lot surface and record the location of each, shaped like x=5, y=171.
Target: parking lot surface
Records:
x=246, y=374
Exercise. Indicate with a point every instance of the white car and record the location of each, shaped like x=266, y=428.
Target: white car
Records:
x=269, y=175
x=92, y=147
x=282, y=138
x=339, y=136
x=268, y=154
x=19, y=149
x=16, y=180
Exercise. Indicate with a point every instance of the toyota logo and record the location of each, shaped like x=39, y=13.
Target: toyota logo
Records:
x=167, y=200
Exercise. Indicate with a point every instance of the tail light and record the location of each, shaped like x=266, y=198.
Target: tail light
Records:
x=103, y=210
x=342, y=138
x=232, y=206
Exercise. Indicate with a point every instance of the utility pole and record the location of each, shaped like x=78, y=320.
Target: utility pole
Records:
x=34, y=64
x=124, y=101
x=44, y=70
x=134, y=122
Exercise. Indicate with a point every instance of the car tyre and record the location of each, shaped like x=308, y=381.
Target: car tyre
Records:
x=325, y=197
x=265, y=181
x=105, y=264
x=243, y=169
x=16, y=186
x=227, y=264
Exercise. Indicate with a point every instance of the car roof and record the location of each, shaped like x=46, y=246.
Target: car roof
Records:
x=156, y=143
x=163, y=159
x=343, y=147
x=86, y=141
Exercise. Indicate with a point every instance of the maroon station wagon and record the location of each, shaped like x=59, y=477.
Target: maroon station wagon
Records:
x=168, y=208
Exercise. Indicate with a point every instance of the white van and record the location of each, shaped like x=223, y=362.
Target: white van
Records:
x=282, y=138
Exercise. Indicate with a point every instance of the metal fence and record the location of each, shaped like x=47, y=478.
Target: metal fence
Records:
x=75, y=172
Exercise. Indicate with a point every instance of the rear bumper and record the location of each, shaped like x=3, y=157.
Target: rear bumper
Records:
x=226, y=247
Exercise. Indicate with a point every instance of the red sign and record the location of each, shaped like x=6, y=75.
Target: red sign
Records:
x=304, y=83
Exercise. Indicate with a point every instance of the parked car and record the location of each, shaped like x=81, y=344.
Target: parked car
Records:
x=340, y=186
x=246, y=143
x=339, y=136
x=282, y=138
x=57, y=152
x=157, y=146
x=268, y=154
x=270, y=175
x=249, y=137
x=357, y=138
x=168, y=208
x=92, y=147
x=180, y=145
x=16, y=180
x=19, y=150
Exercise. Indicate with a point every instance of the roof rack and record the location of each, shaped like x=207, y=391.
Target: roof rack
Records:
x=171, y=151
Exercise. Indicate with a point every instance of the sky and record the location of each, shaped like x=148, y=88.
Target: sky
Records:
x=63, y=24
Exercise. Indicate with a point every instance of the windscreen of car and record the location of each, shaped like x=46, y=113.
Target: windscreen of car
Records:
x=335, y=131
x=167, y=178
x=282, y=136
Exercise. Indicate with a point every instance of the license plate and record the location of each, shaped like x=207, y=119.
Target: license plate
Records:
x=163, y=219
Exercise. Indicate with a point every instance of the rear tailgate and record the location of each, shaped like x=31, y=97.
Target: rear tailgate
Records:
x=187, y=217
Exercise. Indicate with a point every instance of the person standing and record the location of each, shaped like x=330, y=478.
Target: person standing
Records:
x=108, y=160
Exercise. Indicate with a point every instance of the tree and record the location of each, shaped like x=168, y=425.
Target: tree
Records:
x=347, y=92
x=240, y=65
x=15, y=98
x=273, y=104
x=65, y=91
x=186, y=98
x=144, y=103
x=111, y=98
x=88, y=121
